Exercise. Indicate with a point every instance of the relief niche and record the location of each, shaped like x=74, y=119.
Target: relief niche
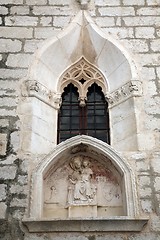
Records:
x=83, y=186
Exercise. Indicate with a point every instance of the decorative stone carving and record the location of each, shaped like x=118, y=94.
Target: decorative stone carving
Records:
x=81, y=190
x=130, y=89
x=83, y=187
x=84, y=4
x=82, y=75
x=33, y=88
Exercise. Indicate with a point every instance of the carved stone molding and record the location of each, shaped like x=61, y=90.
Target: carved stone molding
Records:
x=32, y=88
x=82, y=75
x=130, y=89
x=121, y=224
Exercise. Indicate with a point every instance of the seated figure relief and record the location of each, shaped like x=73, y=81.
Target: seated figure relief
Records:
x=81, y=189
x=83, y=182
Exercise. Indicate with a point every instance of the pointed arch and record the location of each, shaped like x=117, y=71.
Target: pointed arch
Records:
x=62, y=151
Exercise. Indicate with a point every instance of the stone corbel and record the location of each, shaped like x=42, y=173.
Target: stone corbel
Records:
x=82, y=101
x=32, y=88
x=130, y=89
x=84, y=4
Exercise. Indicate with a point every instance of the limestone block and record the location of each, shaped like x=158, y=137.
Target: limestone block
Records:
x=149, y=59
x=21, y=21
x=22, y=180
x=8, y=172
x=19, y=60
x=47, y=10
x=15, y=140
x=61, y=21
x=153, y=2
x=149, y=11
x=2, y=192
x=59, y=2
x=36, y=2
x=18, y=202
x=3, y=10
x=6, y=112
x=17, y=189
x=141, y=21
x=136, y=45
x=31, y=45
x=4, y=122
x=155, y=223
x=155, y=45
x=12, y=73
x=133, y=2
x=144, y=236
x=151, y=88
x=9, y=160
x=144, y=181
x=145, y=32
x=120, y=32
x=142, y=166
x=8, y=45
x=16, y=32
x=46, y=21
x=9, y=87
x=138, y=156
x=101, y=3
x=3, y=208
x=15, y=2
x=105, y=21
x=20, y=10
x=149, y=73
x=118, y=11
x=155, y=163
x=157, y=184
x=8, y=102
x=3, y=143
x=146, y=205
x=145, y=192
x=43, y=33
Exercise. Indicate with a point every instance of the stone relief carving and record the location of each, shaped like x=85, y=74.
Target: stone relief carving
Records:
x=32, y=88
x=83, y=183
x=130, y=89
x=81, y=189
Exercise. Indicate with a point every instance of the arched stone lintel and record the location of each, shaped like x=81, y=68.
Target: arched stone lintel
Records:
x=121, y=165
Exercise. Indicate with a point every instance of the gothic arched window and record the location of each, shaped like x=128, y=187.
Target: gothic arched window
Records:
x=90, y=119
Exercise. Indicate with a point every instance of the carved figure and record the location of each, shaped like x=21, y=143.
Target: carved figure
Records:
x=83, y=190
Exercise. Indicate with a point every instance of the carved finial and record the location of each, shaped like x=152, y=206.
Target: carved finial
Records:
x=84, y=4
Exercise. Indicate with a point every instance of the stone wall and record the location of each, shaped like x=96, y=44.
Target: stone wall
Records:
x=24, y=25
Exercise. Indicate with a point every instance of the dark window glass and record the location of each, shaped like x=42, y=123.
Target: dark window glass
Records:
x=92, y=120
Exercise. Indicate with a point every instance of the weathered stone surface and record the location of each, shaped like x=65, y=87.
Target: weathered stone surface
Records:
x=2, y=192
x=21, y=21
x=7, y=172
x=19, y=60
x=16, y=32
x=18, y=202
x=3, y=143
x=3, y=208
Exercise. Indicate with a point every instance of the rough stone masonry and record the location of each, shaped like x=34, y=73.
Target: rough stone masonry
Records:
x=24, y=25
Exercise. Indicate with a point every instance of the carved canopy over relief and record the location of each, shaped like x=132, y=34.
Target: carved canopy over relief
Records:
x=83, y=187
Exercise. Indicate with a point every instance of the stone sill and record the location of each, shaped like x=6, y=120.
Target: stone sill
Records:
x=118, y=224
